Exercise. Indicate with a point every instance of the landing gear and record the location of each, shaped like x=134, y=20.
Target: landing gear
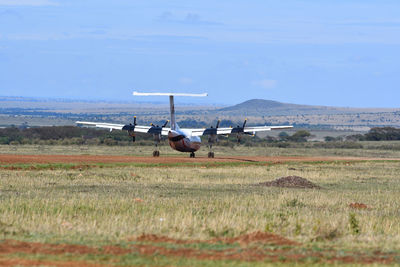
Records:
x=239, y=139
x=157, y=140
x=211, y=152
x=212, y=139
x=192, y=155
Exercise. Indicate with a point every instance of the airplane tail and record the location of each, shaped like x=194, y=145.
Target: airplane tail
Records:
x=174, y=126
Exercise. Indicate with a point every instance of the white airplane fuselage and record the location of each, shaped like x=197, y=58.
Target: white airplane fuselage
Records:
x=183, y=141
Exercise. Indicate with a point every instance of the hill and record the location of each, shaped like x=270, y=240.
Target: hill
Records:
x=261, y=107
x=47, y=112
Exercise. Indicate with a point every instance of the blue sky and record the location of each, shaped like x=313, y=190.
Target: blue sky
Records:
x=339, y=53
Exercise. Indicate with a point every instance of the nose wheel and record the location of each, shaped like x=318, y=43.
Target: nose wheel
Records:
x=156, y=153
x=192, y=155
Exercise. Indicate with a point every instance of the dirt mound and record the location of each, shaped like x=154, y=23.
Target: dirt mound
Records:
x=291, y=182
x=359, y=206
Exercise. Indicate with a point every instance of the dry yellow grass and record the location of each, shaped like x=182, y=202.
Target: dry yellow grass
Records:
x=100, y=204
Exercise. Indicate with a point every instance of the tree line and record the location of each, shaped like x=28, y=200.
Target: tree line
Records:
x=377, y=134
x=62, y=135
x=72, y=135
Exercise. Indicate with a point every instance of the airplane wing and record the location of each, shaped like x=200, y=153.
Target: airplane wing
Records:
x=128, y=127
x=236, y=130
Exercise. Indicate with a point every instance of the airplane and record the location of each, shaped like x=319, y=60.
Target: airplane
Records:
x=181, y=139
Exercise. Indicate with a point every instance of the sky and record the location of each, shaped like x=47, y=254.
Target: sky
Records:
x=332, y=52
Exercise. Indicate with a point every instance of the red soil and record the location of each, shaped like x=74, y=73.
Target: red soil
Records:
x=287, y=253
x=359, y=206
x=82, y=159
x=27, y=262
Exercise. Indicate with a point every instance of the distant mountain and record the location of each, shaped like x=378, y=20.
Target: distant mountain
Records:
x=262, y=107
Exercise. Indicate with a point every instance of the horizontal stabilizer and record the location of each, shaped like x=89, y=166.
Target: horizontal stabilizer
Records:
x=169, y=94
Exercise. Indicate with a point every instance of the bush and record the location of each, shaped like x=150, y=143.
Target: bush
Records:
x=333, y=139
x=4, y=140
x=354, y=224
x=283, y=135
x=14, y=143
x=299, y=136
x=383, y=133
x=356, y=137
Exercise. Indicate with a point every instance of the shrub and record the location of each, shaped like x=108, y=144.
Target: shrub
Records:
x=300, y=136
x=354, y=224
x=383, y=133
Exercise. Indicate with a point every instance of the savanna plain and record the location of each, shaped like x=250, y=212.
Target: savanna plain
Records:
x=200, y=212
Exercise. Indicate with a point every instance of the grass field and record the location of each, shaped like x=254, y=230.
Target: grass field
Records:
x=200, y=215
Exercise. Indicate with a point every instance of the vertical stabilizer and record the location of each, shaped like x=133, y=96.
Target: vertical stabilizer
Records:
x=172, y=110
x=171, y=102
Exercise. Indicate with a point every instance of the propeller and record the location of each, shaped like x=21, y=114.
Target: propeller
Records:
x=218, y=122
x=156, y=129
x=216, y=127
x=131, y=129
x=212, y=132
x=239, y=131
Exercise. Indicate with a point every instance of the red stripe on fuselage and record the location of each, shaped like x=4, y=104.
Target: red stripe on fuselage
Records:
x=183, y=143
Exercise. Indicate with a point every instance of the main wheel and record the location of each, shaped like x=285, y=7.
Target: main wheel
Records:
x=156, y=153
x=210, y=154
x=192, y=155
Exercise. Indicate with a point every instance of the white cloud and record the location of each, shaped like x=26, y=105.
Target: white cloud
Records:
x=267, y=84
x=27, y=3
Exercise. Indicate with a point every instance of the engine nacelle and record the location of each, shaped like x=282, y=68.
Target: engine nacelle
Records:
x=212, y=138
x=157, y=137
x=131, y=129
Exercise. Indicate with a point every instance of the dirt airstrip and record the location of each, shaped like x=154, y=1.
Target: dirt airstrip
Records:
x=47, y=159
